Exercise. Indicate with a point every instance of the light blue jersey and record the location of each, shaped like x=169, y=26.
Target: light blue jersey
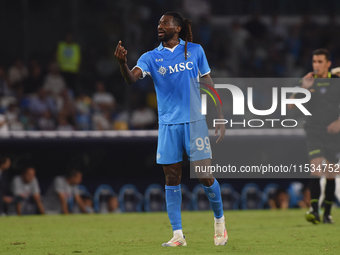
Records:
x=177, y=96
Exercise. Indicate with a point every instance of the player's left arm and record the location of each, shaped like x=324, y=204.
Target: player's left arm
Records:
x=221, y=127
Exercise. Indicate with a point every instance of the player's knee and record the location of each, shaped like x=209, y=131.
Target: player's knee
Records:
x=207, y=182
x=172, y=179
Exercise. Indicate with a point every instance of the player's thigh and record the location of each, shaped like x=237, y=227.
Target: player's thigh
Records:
x=316, y=166
x=315, y=144
x=197, y=142
x=170, y=145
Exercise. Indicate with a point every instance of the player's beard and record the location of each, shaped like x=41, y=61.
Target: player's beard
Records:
x=166, y=37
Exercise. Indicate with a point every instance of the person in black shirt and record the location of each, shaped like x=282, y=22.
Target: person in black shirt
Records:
x=5, y=163
x=322, y=131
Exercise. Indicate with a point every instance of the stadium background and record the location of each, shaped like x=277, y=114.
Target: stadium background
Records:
x=241, y=39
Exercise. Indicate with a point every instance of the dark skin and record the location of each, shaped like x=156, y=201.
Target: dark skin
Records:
x=168, y=34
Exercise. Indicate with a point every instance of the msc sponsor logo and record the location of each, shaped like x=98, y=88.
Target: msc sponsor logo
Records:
x=176, y=68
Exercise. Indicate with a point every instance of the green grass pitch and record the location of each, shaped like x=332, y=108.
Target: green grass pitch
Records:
x=250, y=232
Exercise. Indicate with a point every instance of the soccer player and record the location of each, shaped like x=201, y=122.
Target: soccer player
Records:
x=172, y=65
x=322, y=130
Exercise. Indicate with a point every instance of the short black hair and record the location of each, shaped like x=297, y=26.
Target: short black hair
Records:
x=72, y=172
x=26, y=167
x=279, y=191
x=324, y=52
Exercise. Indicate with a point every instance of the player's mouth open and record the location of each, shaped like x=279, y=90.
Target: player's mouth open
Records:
x=161, y=33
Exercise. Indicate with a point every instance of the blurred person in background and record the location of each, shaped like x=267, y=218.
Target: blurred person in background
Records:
x=36, y=77
x=69, y=60
x=42, y=103
x=5, y=199
x=4, y=84
x=143, y=117
x=17, y=73
x=102, y=99
x=63, y=191
x=12, y=117
x=280, y=201
x=26, y=188
x=66, y=106
x=113, y=205
x=102, y=120
x=54, y=82
x=305, y=201
x=88, y=202
x=83, y=107
x=46, y=121
x=322, y=129
x=63, y=124
x=3, y=123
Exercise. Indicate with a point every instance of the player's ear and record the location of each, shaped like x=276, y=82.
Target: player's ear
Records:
x=178, y=29
x=329, y=64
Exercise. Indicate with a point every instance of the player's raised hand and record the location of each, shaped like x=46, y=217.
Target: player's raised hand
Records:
x=121, y=53
x=220, y=127
x=308, y=80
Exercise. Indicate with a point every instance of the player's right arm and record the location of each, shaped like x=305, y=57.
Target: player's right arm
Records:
x=307, y=82
x=130, y=76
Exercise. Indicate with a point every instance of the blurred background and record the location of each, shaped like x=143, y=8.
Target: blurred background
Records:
x=41, y=90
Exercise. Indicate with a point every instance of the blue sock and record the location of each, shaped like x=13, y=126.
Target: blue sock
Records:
x=173, y=198
x=214, y=195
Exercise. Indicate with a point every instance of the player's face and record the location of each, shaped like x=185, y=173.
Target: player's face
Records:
x=320, y=64
x=78, y=178
x=167, y=28
x=29, y=175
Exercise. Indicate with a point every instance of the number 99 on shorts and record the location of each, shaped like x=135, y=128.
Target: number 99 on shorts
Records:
x=203, y=144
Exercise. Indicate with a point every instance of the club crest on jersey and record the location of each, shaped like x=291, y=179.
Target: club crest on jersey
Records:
x=162, y=70
x=188, y=54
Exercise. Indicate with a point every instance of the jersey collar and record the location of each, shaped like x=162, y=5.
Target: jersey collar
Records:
x=328, y=76
x=161, y=47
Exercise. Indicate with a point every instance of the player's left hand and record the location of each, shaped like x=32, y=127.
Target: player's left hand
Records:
x=334, y=127
x=220, y=127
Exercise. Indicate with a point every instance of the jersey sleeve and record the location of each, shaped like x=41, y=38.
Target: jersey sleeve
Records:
x=16, y=186
x=203, y=65
x=143, y=64
x=59, y=185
